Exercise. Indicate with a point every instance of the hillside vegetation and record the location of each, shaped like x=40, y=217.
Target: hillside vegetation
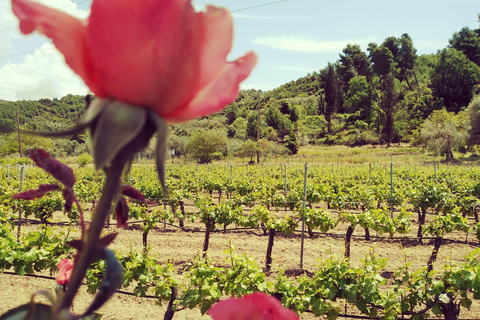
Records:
x=382, y=95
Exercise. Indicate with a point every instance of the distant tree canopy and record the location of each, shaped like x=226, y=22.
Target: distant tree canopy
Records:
x=443, y=132
x=468, y=42
x=202, y=145
x=43, y=115
x=454, y=79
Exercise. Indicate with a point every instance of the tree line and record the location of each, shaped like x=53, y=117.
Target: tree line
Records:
x=381, y=95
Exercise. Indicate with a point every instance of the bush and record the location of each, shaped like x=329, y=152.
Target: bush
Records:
x=14, y=161
x=84, y=159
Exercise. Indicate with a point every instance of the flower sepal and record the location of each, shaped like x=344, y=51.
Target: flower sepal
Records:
x=119, y=130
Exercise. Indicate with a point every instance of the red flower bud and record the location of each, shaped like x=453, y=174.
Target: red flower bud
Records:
x=65, y=268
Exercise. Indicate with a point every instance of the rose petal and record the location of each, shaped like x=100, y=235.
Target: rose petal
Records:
x=256, y=306
x=150, y=57
x=217, y=43
x=220, y=92
x=68, y=34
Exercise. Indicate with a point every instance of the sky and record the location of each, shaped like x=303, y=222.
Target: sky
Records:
x=291, y=37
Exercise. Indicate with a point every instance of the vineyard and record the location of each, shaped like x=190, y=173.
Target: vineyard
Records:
x=338, y=241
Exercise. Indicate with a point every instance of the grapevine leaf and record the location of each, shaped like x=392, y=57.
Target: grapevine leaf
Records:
x=38, y=193
x=58, y=170
x=436, y=309
x=438, y=286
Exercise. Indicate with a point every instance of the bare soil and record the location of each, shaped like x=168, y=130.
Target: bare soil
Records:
x=181, y=246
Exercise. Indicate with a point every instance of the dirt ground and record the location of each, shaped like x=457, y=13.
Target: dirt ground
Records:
x=170, y=243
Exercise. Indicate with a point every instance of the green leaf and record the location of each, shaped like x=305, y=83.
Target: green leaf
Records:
x=438, y=287
x=436, y=309
x=29, y=311
x=215, y=293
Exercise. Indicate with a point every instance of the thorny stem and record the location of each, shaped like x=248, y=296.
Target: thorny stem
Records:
x=82, y=221
x=87, y=255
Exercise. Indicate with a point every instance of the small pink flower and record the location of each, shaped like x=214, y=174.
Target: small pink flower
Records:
x=256, y=306
x=158, y=54
x=65, y=268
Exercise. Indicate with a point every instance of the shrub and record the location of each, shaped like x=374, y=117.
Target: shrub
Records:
x=84, y=159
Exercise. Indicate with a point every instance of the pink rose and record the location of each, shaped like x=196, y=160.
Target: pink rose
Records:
x=159, y=54
x=65, y=268
x=255, y=306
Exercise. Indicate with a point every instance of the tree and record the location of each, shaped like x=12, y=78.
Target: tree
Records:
x=468, y=42
x=329, y=83
x=203, y=144
x=473, y=118
x=248, y=149
x=238, y=129
x=178, y=143
x=354, y=62
x=358, y=99
x=442, y=132
x=382, y=59
x=454, y=79
x=291, y=142
x=407, y=54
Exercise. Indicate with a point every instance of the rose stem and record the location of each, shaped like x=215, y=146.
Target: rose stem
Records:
x=87, y=254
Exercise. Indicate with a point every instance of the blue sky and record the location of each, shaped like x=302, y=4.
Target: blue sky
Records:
x=291, y=37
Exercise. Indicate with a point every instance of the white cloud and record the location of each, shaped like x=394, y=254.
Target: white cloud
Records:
x=44, y=74
x=307, y=44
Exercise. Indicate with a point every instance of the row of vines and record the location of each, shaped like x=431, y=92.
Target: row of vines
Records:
x=436, y=204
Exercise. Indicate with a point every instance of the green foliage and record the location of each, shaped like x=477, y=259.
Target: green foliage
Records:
x=473, y=118
x=291, y=142
x=84, y=159
x=248, y=149
x=238, y=129
x=11, y=146
x=442, y=133
x=454, y=79
x=358, y=99
x=467, y=41
x=202, y=145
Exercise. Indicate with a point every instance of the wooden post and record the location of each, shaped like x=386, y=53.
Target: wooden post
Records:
x=22, y=173
x=303, y=221
x=258, y=128
x=19, y=137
